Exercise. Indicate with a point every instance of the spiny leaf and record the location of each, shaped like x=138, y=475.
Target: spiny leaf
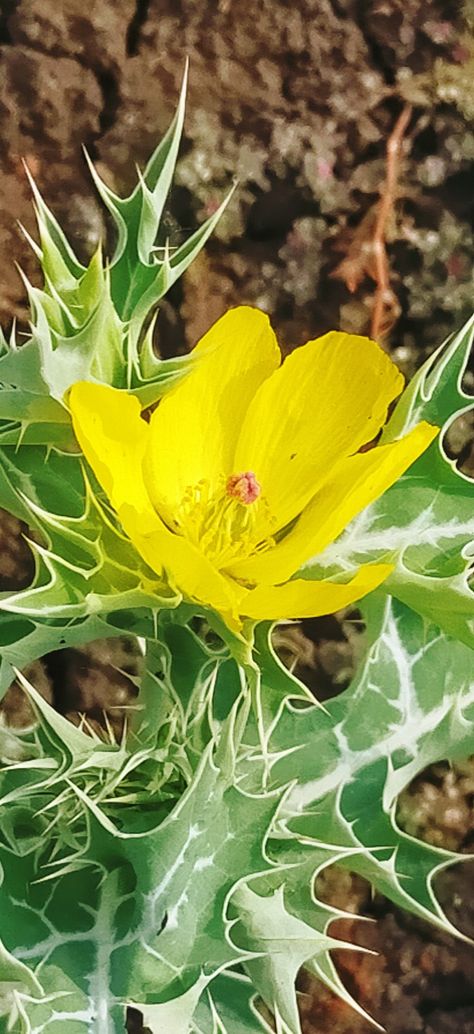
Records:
x=412, y=704
x=229, y=1002
x=283, y=943
x=145, y=912
x=88, y=321
x=223, y=846
x=140, y=272
x=158, y=277
x=84, y=564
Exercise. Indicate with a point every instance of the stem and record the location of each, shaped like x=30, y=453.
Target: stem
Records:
x=379, y=249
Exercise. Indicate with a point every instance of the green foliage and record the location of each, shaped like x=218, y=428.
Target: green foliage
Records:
x=184, y=854
x=174, y=868
x=95, y=322
x=81, y=330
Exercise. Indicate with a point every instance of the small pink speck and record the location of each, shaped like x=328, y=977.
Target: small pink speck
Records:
x=324, y=168
x=460, y=53
x=243, y=487
x=211, y=206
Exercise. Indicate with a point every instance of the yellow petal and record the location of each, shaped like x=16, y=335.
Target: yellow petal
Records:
x=328, y=399
x=304, y=599
x=187, y=569
x=353, y=484
x=113, y=438
x=195, y=427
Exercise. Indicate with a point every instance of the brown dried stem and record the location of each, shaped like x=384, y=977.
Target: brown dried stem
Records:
x=385, y=208
x=367, y=255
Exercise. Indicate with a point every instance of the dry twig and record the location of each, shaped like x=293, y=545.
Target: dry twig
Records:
x=367, y=253
x=386, y=204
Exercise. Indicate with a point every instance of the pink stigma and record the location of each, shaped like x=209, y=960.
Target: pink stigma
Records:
x=243, y=487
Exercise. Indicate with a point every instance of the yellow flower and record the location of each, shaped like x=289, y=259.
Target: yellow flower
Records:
x=248, y=468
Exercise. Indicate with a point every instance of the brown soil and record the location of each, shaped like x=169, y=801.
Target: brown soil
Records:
x=299, y=101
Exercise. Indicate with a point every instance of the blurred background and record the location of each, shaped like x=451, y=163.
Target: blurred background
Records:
x=299, y=103
x=350, y=127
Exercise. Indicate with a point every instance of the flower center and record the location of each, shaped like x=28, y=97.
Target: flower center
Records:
x=243, y=487
x=228, y=523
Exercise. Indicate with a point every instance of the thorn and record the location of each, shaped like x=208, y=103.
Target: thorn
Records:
x=30, y=179
x=33, y=245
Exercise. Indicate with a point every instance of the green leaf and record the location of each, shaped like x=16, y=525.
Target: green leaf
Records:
x=412, y=704
x=146, y=886
x=284, y=943
x=16, y=980
x=227, y=1008
x=88, y=322
x=174, y=1015
x=85, y=565
x=142, y=272
x=221, y=873
x=158, y=277
x=144, y=909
